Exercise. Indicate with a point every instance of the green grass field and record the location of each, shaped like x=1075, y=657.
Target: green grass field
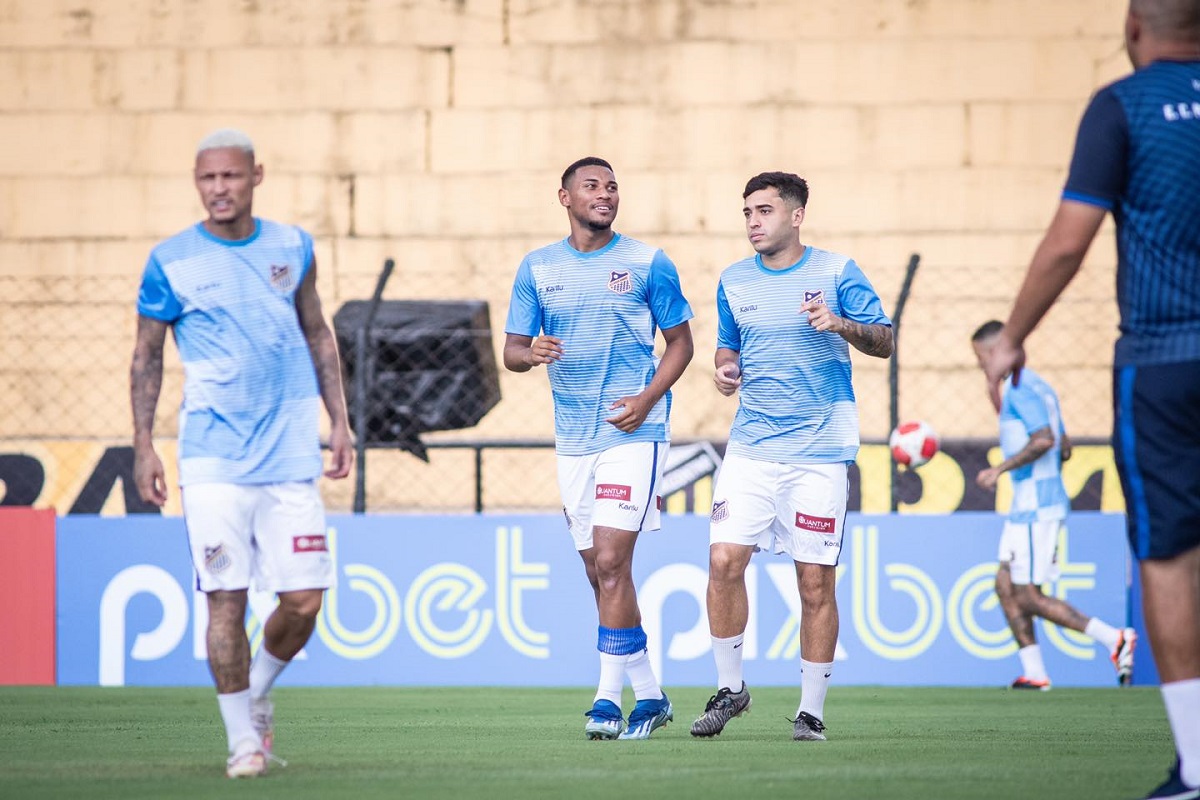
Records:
x=528, y=743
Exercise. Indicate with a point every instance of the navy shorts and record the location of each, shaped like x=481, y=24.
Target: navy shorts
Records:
x=1156, y=444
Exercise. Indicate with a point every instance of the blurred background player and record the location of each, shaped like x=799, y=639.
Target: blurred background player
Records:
x=786, y=318
x=597, y=298
x=1137, y=154
x=1034, y=443
x=240, y=294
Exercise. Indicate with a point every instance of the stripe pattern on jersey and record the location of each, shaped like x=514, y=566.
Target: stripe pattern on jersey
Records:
x=1038, y=491
x=250, y=408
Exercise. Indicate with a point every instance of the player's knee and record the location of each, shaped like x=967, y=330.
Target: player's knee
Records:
x=303, y=604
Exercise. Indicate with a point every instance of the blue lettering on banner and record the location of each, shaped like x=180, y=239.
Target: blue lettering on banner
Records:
x=503, y=600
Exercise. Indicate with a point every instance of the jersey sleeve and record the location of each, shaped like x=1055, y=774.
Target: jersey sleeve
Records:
x=1028, y=407
x=1098, y=166
x=156, y=298
x=858, y=299
x=524, y=310
x=728, y=336
x=668, y=306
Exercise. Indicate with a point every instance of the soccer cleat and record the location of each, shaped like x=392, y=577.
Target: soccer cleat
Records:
x=807, y=728
x=1173, y=788
x=721, y=707
x=604, y=721
x=1040, y=685
x=647, y=717
x=262, y=713
x=250, y=764
x=1122, y=656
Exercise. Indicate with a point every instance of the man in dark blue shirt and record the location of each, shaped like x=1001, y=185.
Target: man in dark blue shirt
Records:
x=1137, y=155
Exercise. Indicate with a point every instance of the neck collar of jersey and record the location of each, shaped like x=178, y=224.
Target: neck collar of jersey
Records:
x=803, y=260
x=231, y=242
x=593, y=253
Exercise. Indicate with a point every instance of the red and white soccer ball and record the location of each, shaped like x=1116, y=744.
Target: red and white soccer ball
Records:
x=913, y=443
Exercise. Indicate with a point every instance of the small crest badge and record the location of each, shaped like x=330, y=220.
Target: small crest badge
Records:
x=814, y=297
x=621, y=281
x=720, y=511
x=281, y=277
x=216, y=559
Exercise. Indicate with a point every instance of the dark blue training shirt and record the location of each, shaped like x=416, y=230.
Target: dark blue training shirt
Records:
x=1138, y=155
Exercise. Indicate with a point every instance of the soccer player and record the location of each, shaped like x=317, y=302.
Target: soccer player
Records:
x=1137, y=155
x=1034, y=443
x=786, y=319
x=240, y=295
x=596, y=298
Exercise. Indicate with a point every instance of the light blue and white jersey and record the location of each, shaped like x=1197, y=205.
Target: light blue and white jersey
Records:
x=796, y=399
x=1038, y=491
x=605, y=306
x=250, y=408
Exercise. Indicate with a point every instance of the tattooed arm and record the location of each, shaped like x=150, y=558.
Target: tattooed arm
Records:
x=145, y=383
x=874, y=340
x=323, y=348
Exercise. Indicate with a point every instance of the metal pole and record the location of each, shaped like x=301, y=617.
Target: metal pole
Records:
x=478, y=480
x=894, y=368
x=360, y=389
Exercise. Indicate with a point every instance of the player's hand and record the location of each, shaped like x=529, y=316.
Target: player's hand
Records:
x=631, y=413
x=987, y=478
x=545, y=350
x=149, y=476
x=342, y=452
x=728, y=379
x=1003, y=359
x=821, y=318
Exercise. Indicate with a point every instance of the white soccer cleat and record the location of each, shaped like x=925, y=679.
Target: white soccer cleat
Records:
x=1122, y=656
x=250, y=764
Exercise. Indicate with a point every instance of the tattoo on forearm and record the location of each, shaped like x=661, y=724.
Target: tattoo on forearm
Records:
x=329, y=370
x=874, y=340
x=145, y=380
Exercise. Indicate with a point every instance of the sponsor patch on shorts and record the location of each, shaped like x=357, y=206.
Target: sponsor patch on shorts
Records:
x=309, y=543
x=216, y=559
x=815, y=524
x=720, y=511
x=613, y=491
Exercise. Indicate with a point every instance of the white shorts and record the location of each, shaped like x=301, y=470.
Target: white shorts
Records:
x=1031, y=550
x=798, y=509
x=616, y=488
x=274, y=533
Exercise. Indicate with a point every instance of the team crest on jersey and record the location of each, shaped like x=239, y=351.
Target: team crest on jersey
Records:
x=216, y=559
x=720, y=511
x=814, y=297
x=621, y=281
x=281, y=277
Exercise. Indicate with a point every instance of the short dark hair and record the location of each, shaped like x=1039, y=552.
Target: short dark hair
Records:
x=987, y=330
x=586, y=161
x=791, y=187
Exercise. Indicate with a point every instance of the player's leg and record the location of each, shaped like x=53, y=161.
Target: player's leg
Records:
x=219, y=520
x=293, y=560
x=810, y=523
x=740, y=522
x=1156, y=443
x=1014, y=579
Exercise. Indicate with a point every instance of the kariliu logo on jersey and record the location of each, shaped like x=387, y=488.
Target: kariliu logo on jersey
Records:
x=620, y=281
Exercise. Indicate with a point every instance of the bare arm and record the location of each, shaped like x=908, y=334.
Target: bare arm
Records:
x=675, y=358
x=522, y=353
x=874, y=340
x=1039, y=442
x=1055, y=262
x=323, y=347
x=145, y=384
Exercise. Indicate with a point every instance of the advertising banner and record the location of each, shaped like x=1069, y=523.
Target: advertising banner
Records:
x=503, y=600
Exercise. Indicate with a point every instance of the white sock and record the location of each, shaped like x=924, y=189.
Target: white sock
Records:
x=728, y=655
x=814, y=683
x=1103, y=633
x=239, y=730
x=1032, y=665
x=641, y=676
x=1182, y=699
x=264, y=669
x=612, y=678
